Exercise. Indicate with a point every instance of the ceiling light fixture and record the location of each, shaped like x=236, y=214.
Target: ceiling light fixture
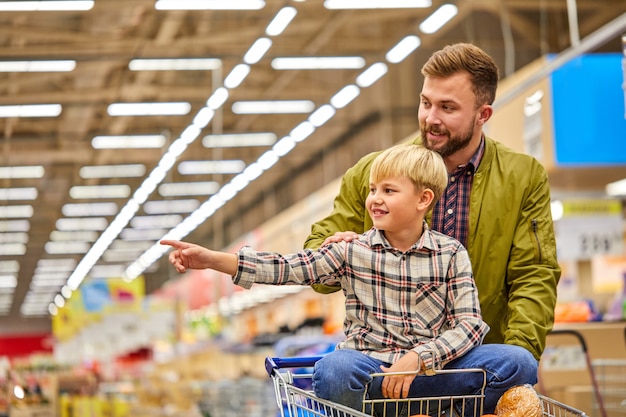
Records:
x=38, y=66
x=322, y=115
x=22, y=193
x=35, y=171
x=371, y=75
x=149, y=109
x=182, y=64
x=281, y=21
x=128, y=142
x=273, y=107
x=234, y=166
x=46, y=5
x=188, y=188
x=113, y=171
x=170, y=206
x=258, y=49
x=81, y=223
x=403, y=49
x=21, y=211
x=235, y=140
x=31, y=110
x=440, y=17
x=376, y=4
x=89, y=209
x=236, y=76
x=209, y=5
x=14, y=225
x=79, y=192
x=316, y=63
x=345, y=96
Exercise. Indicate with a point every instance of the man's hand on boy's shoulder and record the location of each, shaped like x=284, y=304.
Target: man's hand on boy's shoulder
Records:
x=340, y=237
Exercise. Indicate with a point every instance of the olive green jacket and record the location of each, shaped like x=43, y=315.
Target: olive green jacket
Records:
x=511, y=241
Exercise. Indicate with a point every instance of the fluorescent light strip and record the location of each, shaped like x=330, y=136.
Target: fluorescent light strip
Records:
x=14, y=225
x=9, y=266
x=234, y=166
x=209, y=5
x=31, y=110
x=24, y=193
x=113, y=171
x=82, y=235
x=128, y=142
x=256, y=52
x=239, y=140
x=46, y=5
x=403, y=49
x=156, y=222
x=376, y=4
x=12, y=249
x=273, y=107
x=188, y=188
x=191, y=64
x=371, y=75
x=89, y=209
x=440, y=17
x=35, y=171
x=38, y=66
x=14, y=237
x=236, y=76
x=20, y=211
x=79, y=192
x=170, y=206
x=149, y=109
x=617, y=188
x=281, y=21
x=81, y=223
x=345, y=96
x=316, y=63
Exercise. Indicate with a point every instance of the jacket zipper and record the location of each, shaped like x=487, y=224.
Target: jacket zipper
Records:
x=535, y=229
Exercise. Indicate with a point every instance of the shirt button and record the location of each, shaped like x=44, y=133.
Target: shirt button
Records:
x=469, y=173
x=452, y=179
x=450, y=211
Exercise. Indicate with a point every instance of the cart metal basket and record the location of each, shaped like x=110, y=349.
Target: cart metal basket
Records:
x=295, y=399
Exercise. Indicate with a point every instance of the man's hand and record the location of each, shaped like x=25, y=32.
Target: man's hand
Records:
x=340, y=237
x=397, y=386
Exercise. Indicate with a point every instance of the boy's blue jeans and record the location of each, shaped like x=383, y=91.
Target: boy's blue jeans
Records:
x=342, y=376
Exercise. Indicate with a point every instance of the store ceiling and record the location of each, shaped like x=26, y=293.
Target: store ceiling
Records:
x=105, y=39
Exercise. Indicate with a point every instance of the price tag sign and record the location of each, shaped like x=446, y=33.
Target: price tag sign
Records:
x=589, y=228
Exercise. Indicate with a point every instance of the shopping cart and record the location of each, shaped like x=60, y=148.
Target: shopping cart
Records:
x=297, y=402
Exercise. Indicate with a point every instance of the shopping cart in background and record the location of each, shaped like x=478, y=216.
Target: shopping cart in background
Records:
x=611, y=380
x=294, y=401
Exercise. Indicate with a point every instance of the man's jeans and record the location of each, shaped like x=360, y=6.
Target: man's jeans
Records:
x=343, y=375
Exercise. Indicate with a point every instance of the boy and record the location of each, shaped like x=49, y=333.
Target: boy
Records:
x=408, y=289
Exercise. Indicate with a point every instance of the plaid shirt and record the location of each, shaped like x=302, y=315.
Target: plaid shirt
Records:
x=450, y=215
x=421, y=299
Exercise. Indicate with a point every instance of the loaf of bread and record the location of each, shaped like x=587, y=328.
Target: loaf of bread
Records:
x=519, y=401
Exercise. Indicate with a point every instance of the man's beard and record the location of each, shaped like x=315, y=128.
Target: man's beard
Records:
x=452, y=145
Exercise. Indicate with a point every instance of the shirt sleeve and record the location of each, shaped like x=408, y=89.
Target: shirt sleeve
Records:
x=305, y=267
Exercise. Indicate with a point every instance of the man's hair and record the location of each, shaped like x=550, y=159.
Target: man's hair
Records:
x=466, y=57
x=425, y=168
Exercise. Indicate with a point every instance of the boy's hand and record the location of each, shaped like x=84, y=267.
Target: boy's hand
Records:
x=187, y=255
x=397, y=386
x=340, y=237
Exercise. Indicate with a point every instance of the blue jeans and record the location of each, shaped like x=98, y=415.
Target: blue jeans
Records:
x=343, y=375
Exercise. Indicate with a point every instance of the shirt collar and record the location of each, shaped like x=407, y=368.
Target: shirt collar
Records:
x=474, y=161
x=427, y=241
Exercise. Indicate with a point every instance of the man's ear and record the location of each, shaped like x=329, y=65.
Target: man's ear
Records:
x=484, y=114
x=425, y=199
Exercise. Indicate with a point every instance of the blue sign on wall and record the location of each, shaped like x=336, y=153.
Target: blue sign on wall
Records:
x=588, y=111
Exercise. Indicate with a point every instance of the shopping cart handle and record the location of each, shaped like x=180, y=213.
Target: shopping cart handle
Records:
x=575, y=333
x=272, y=364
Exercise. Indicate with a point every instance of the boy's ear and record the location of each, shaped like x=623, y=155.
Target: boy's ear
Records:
x=425, y=199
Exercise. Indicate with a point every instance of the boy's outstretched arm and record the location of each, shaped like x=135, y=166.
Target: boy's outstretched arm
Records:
x=191, y=256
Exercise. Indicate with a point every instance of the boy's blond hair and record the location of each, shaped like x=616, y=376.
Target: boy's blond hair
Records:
x=425, y=168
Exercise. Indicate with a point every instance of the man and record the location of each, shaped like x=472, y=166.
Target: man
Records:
x=497, y=202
